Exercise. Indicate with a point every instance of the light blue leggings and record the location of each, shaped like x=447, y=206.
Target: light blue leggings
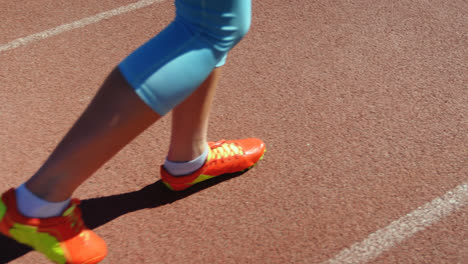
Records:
x=170, y=66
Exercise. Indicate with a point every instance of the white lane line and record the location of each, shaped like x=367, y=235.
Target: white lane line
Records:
x=403, y=228
x=76, y=24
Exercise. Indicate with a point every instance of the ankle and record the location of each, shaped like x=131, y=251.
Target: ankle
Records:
x=182, y=153
x=186, y=167
x=31, y=205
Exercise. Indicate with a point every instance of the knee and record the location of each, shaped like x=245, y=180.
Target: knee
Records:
x=233, y=30
x=243, y=27
x=220, y=29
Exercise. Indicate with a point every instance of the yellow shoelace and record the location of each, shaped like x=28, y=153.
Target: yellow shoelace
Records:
x=225, y=150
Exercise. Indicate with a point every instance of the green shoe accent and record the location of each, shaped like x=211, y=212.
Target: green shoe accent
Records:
x=201, y=178
x=168, y=185
x=69, y=210
x=42, y=242
x=3, y=210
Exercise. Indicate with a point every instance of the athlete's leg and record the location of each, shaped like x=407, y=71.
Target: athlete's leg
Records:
x=188, y=149
x=115, y=116
x=190, y=121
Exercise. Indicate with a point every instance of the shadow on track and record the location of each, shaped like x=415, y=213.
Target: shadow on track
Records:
x=99, y=211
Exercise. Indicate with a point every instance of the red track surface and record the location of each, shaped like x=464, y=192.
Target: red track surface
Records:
x=363, y=106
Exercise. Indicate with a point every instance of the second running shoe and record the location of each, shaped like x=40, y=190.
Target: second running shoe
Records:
x=62, y=239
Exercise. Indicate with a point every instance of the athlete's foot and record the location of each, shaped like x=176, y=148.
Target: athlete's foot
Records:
x=225, y=156
x=62, y=239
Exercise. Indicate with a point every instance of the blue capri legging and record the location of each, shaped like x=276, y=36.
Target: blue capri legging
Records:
x=170, y=66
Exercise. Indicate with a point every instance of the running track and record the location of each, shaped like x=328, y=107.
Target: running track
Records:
x=363, y=106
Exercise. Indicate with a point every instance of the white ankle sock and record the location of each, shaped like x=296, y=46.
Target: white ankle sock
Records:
x=32, y=206
x=184, y=168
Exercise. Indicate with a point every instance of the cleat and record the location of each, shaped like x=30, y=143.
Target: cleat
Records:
x=225, y=156
x=62, y=239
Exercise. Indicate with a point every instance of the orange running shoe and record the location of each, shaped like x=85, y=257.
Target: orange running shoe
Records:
x=63, y=239
x=225, y=156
